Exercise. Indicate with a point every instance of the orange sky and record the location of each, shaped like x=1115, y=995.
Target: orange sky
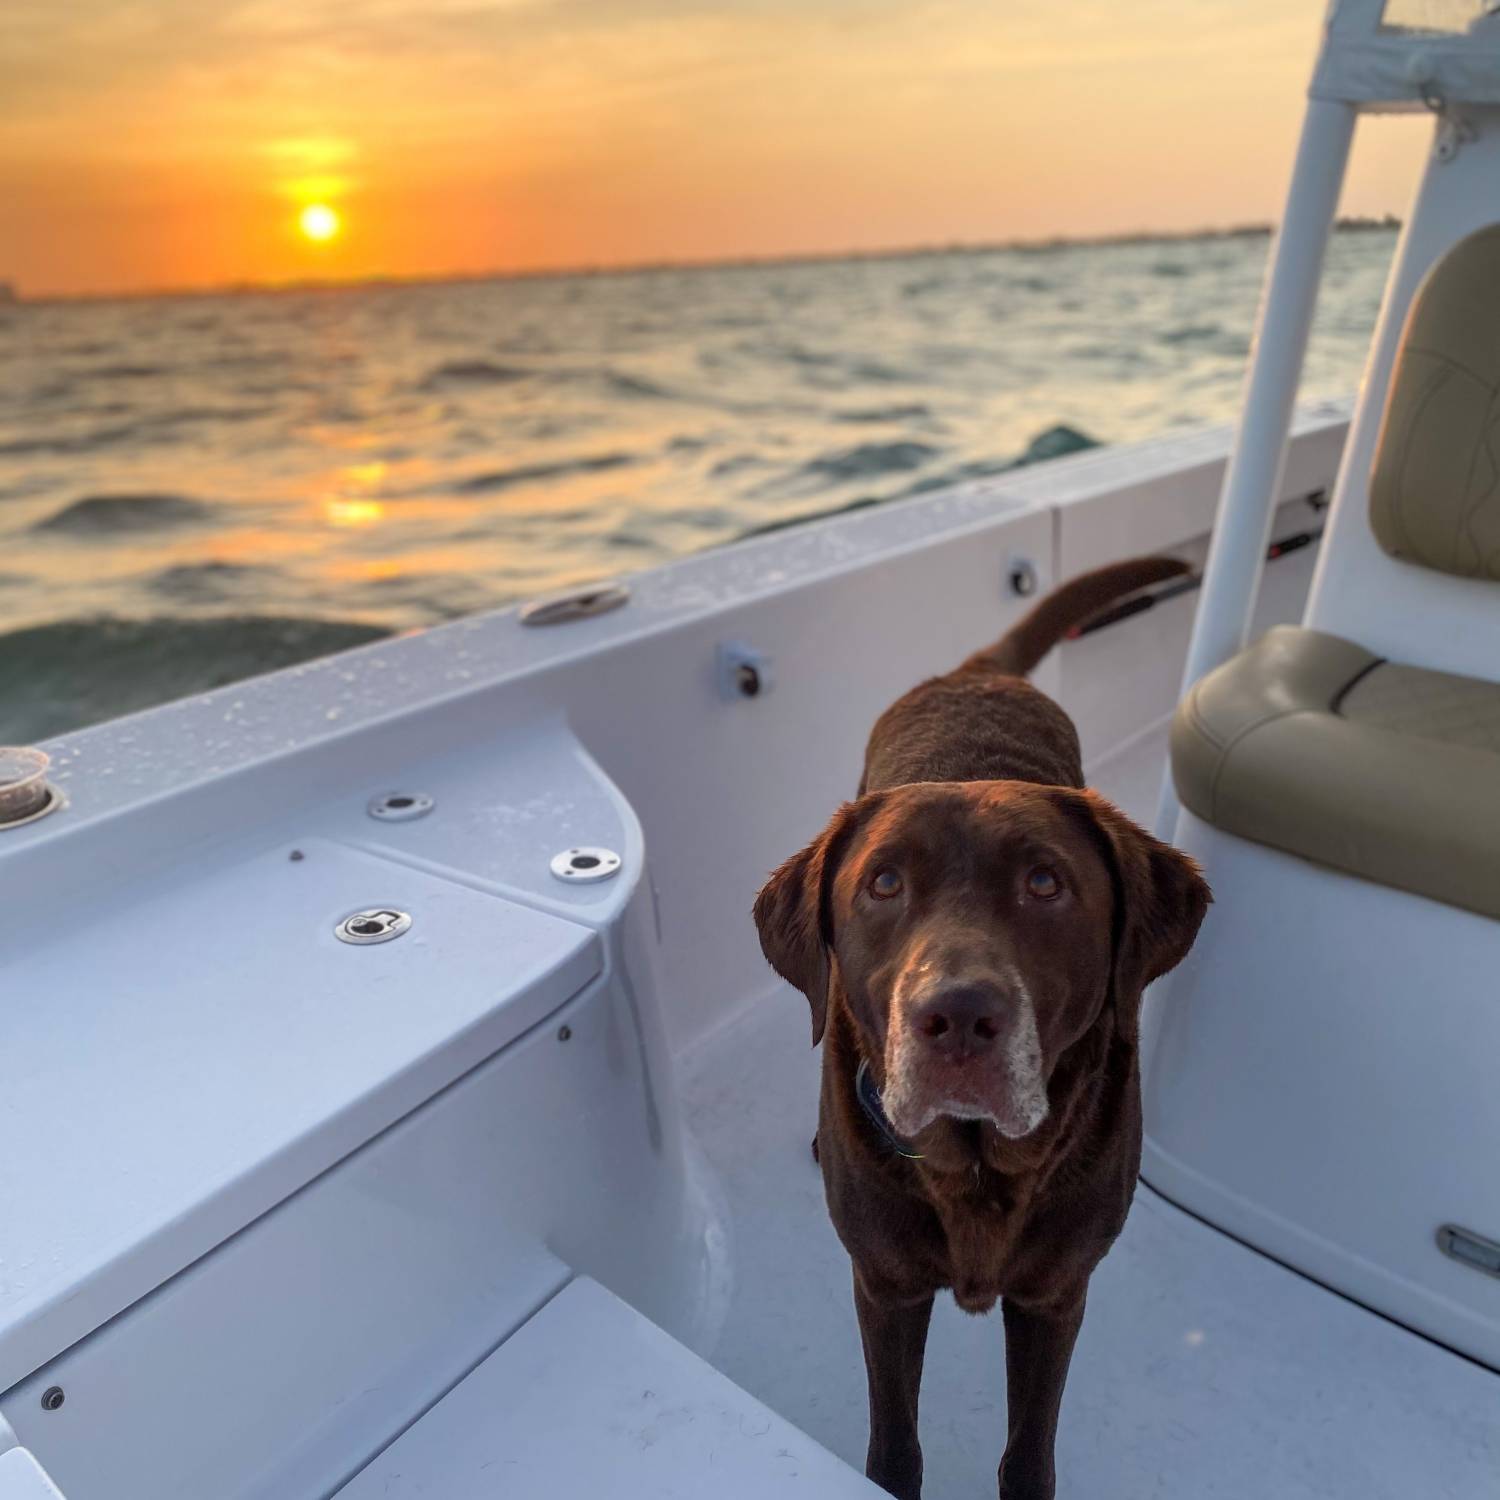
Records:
x=148, y=143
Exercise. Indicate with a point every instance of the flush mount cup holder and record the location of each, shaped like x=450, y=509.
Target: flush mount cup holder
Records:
x=399, y=807
x=25, y=792
x=582, y=865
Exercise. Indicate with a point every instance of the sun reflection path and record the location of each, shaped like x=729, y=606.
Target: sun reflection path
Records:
x=350, y=511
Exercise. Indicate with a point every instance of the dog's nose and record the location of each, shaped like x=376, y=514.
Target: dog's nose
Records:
x=961, y=1020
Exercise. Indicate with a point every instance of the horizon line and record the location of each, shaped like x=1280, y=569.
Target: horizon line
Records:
x=1355, y=222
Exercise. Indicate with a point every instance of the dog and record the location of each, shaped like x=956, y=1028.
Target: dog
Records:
x=973, y=934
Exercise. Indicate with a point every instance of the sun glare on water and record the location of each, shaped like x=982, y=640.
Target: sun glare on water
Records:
x=319, y=222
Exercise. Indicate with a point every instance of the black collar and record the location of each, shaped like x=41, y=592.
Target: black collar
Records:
x=869, y=1098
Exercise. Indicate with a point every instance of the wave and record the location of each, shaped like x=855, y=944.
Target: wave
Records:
x=56, y=678
x=432, y=595
x=125, y=372
x=830, y=369
x=25, y=487
x=787, y=523
x=482, y=372
x=1052, y=442
x=472, y=372
x=64, y=447
x=186, y=415
x=795, y=354
x=913, y=411
x=158, y=426
x=504, y=479
x=113, y=515
x=869, y=460
x=1191, y=333
x=637, y=386
x=208, y=582
x=736, y=463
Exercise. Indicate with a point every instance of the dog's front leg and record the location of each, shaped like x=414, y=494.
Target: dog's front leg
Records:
x=1038, y=1347
x=894, y=1334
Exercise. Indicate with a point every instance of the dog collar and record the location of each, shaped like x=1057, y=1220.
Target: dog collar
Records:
x=869, y=1099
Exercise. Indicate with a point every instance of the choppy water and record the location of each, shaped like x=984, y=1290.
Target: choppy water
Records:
x=196, y=488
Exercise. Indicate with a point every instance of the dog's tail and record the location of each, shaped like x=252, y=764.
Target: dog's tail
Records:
x=1069, y=605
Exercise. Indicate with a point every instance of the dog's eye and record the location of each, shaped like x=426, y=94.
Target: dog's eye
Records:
x=887, y=883
x=1043, y=884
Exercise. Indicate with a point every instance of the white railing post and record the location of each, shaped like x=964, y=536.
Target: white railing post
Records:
x=1252, y=482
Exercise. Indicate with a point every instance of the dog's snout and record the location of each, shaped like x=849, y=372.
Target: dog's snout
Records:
x=961, y=1020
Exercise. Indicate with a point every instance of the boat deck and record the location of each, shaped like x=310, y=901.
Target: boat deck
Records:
x=1204, y=1368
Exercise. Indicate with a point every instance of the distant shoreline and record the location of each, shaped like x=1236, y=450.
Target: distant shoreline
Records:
x=646, y=268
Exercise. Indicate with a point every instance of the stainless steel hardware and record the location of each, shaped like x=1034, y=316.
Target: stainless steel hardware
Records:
x=376, y=924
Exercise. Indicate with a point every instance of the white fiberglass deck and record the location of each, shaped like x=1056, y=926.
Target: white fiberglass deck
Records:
x=1204, y=1368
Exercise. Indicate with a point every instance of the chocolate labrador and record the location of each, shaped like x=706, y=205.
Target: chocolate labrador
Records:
x=973, y=934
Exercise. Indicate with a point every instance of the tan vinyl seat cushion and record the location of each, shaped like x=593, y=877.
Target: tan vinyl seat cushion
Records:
x=1313, y=745
x=1435, y=487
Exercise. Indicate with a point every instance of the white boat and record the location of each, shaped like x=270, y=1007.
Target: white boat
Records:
x=394, y=1100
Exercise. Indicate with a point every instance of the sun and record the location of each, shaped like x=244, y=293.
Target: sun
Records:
x=319, y=222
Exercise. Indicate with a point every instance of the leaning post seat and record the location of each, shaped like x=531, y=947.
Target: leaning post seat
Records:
x=1435, y=485
x=1322, y=1075
x=1313, y=745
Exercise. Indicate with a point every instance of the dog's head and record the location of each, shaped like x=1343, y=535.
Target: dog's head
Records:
x=977, y=930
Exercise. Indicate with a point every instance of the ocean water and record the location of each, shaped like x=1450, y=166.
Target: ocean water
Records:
x=193, y=489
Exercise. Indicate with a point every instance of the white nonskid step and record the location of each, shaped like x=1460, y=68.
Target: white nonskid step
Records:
x=1203, y=1367
x=591, y=1399
x=22, y=1477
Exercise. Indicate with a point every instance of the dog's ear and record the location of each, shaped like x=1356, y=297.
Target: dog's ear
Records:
x=793, y=916
x=1161, y=899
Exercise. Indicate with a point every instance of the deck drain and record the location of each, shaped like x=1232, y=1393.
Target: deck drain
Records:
x=377, y=924
x=580, y=866
x=399, y=807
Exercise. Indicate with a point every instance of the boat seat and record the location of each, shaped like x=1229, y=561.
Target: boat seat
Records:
x=1313, y=745
x=1435, y=485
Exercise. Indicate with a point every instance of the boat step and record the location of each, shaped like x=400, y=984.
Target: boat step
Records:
x=590, y=1398
x=23, y=1478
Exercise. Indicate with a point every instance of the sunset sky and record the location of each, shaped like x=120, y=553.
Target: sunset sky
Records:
x=151, y=143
